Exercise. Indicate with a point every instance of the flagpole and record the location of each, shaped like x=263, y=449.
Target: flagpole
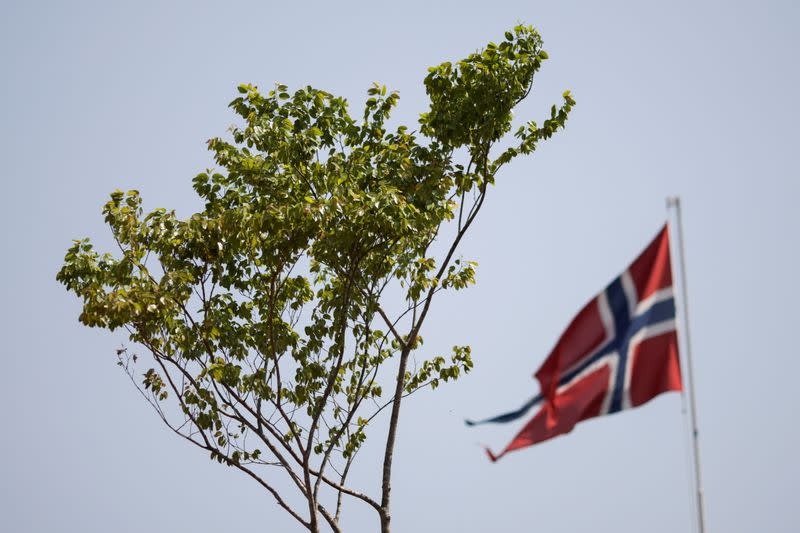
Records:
x=675, y=202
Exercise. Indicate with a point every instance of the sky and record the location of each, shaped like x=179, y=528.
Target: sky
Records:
x=696, y=99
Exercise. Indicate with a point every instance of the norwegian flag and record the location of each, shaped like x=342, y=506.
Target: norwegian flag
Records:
x=619, y=352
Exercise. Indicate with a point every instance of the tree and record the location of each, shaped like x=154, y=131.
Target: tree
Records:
x=269, y=314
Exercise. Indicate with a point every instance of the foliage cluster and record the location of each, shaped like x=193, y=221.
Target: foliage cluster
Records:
x=266, y=313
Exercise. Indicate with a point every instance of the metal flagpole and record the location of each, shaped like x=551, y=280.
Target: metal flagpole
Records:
x=675, y=202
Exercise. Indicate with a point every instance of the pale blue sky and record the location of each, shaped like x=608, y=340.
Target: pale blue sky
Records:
x=690, y=98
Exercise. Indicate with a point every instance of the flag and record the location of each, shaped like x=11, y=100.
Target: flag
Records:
x=620, y=351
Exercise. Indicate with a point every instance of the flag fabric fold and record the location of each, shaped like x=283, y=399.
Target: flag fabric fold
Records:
x=620, y=351
x=511, y=415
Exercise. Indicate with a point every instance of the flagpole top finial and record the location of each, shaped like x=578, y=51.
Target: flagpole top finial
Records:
x=673, y=201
